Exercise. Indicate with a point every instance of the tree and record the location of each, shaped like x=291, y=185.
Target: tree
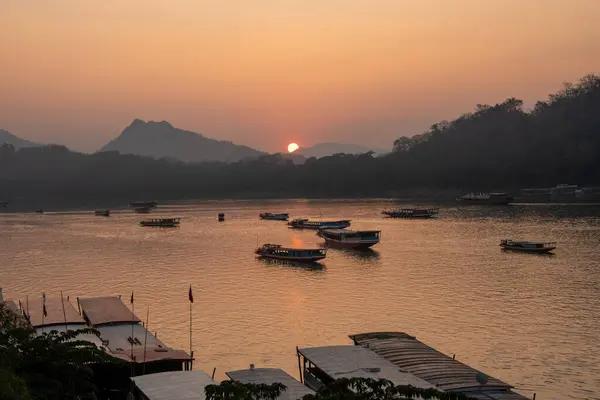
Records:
x=52, y=366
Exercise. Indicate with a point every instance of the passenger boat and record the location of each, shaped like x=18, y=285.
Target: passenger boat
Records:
x=161, y=222
x=274, y=217
x=527, y=247
x=143, y=210
x=277, y=252
x=3, y=204
x=410, y=213
x=350, y=239
x=138, y=204
x=496, y=199
x=307, y=224
x=102, y=213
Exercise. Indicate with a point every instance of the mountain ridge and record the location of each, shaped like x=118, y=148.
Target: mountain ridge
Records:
x=7, y=137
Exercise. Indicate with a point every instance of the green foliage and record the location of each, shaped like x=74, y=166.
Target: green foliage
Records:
x=232, y=390
x=53, y=366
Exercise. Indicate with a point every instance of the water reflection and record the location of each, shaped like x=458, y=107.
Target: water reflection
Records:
x=307, y=265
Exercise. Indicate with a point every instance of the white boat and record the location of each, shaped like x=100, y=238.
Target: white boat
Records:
x=527, y=247
x=411, y=213
x=304, y=223
x=498, y=198
x=102, y=213
x=274, y=217
x=277, y=252
x=161, y=222
x=350, y=239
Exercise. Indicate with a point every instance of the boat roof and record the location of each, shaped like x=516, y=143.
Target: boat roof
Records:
x=448, y=374
x=174, y=385
x=347, y=231
x=280, y=247
x=295, y=390
x=528, y=241
x=358, y=362
x=88, y=337
x=106, y=310
x=54, y=309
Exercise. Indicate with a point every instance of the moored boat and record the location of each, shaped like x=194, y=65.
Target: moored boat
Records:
x=102, y=213
x=410, y=213
x=138, y=204
x=143, y=210
x=277, y=252
x=527, y=247
x=496, y=199
x=304, y=223
x=274, y=217
x=3, y=204
x=161, y=222
x=350, y=239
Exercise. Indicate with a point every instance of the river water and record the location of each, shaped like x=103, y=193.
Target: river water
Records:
x=532, y=321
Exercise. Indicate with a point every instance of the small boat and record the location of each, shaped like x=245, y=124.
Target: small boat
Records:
x=276, y=252
x=348, y=238
x=39, y=211
x=303, y=223
x=161, y=222
x=143, y=210
x=102, y=213
x=144, y=204
x=274, y=217
x=526, y=246
x=495, y=199
x=3, y=204
x=410, y=213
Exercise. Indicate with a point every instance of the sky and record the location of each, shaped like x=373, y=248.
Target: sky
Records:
x=265, y=73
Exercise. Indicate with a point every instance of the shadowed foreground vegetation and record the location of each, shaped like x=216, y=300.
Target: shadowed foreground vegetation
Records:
x=494, y=147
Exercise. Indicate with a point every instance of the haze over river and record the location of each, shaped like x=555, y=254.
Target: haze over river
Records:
x=532, y=321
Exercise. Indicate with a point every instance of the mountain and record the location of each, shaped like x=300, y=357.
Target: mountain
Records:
x=162, y=140
x=7, y=137
x=329, y=149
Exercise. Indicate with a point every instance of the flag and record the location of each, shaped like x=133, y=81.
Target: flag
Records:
x=190, y=295
x=131, y=301
x=44, y=305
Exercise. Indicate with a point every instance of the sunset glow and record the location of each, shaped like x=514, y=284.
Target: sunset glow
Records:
x=292, y=147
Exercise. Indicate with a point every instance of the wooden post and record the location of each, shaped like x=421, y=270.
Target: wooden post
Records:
x=299, y=365
x=145, y=340
x=62, y=300
x=213, y=374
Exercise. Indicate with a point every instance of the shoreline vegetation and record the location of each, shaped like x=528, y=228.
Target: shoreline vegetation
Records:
x=494, y=148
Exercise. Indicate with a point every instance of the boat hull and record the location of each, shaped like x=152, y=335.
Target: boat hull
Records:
x=291, y=258
x=487, y=202
x=274, y=218
x=341, y=225
x=536, y=250
x=351, y=245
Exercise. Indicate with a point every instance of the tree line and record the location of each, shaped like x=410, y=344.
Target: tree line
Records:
x=494, y=147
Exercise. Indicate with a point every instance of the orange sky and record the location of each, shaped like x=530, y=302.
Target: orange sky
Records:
x=268, y=72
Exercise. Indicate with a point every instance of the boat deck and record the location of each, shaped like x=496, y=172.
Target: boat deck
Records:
x=446, y=373
x=295, y=390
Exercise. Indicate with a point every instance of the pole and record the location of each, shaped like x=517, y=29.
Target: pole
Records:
x=191, y=352
x=132, y=334
x=27, y=305
x=213, y=374
x=145, y=340
x=43, y=306
x=62, y=300
x=299, y=365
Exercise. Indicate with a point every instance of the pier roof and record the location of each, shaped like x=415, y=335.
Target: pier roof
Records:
x=178, y=385
x=446, y=373
x=295, y=390
x=106, y=310
x=358, y=362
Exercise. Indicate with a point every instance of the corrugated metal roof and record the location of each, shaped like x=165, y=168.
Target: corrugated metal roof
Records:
x=358, y=362
x=448, y=374
x=178, y=385
x=106, y=310
x=88, y=337
x=54, y=308
x=295, y=390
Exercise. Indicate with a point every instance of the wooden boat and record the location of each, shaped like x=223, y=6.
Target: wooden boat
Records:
x=303, y=223
x=495, y=199
x=274, y=217
x=410, y=213
x=350, y=239
x=102, y=213
x=137, y=204
x=277, y=252
x=527, y=247
x=161, y=222
x=143, y=210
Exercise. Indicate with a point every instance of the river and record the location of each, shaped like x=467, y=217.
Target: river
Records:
x=532, y=321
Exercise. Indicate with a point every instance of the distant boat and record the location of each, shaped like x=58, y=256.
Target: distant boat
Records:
x=3, y=204
x=143, y=210
x=526, y=246
x=161, y=222
x=496, y=199
x=304, y=223
x=102, y=213
x=274, y=217
x=277, y=252
x=138, y=204
x=410, y=213
x=350, y=239
x=39, y=211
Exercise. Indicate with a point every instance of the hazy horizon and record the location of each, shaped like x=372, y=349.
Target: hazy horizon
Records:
x=269, y=73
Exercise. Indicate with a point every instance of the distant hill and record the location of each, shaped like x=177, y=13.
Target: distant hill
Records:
x=7, y=137
x=329, y=149
x=162, y=140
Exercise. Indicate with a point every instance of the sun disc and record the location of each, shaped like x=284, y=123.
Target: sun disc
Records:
x=292, y=147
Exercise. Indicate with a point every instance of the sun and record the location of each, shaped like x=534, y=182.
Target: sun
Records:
x=292, y=147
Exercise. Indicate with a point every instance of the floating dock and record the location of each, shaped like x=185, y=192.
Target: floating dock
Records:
x=295, y=390
x=444, y=372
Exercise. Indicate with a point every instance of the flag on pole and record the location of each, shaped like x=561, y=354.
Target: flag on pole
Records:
x=131, y=301
x=44, y=305
x=190, y=295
